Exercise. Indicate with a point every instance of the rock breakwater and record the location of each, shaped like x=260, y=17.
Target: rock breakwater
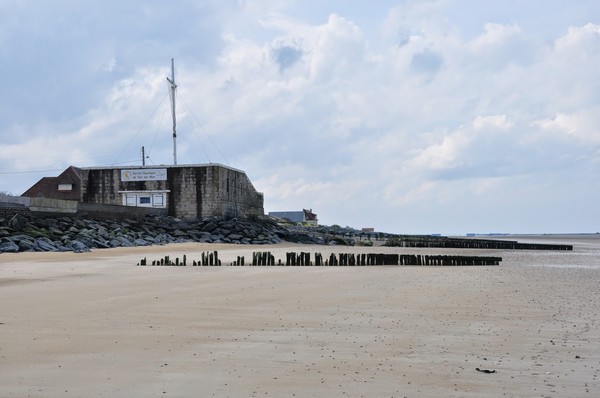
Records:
x=23, y=231
x=19, y=233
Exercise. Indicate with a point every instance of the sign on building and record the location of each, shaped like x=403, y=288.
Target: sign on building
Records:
x=144, y=175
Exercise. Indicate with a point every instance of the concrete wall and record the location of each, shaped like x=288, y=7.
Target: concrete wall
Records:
x=195, y=191
x=53, y=205
x=103, y=186
x=95, y=210
x=43, y=206
x=14, y=201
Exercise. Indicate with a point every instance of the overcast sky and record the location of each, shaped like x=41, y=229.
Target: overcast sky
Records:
x=441, y=116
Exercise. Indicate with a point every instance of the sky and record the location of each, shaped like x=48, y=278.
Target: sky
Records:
x=408, y=116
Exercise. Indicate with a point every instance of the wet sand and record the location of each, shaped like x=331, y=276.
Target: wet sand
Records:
x=94, y=325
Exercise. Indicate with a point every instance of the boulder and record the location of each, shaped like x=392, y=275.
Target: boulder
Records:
x=79, y=246
x=8, y=247
x=124, y=241
x=27, y=245
x=209, y=227
x=141, y=242
x=45, y=244
x=235, y=237
x=18, y=222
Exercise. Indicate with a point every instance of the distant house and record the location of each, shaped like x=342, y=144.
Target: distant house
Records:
x=302, y=217
x=185, y=191
x=67, y=186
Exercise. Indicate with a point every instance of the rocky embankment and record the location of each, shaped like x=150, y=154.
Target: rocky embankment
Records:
x=20, y=232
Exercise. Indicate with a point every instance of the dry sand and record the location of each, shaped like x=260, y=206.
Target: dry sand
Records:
x=94, y=324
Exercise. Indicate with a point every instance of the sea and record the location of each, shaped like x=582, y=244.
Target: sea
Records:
x=585, y=254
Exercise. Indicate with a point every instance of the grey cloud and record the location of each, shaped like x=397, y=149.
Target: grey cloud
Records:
x=286, y=56
x=427, y=61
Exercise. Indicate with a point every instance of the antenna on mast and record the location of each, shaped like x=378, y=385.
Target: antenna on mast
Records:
x=172, y=92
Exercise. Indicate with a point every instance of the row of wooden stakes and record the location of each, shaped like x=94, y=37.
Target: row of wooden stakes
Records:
x=266, y=258
x=206, y=259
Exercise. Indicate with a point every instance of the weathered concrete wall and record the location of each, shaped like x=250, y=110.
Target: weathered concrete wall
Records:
x=213, y=190
x=111, y=211
x=53, y=205
x=103, y=186
x=195, y=191
x=9, y=200
x=100, y=186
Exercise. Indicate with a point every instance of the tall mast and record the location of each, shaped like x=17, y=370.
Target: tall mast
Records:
x=172, y=92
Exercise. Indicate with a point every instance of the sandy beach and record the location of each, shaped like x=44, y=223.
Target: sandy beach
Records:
x=96, y=325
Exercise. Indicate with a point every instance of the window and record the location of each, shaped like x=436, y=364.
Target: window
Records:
x=158, y=200
x=130, y=200
x=65, y=187
x=144, y=198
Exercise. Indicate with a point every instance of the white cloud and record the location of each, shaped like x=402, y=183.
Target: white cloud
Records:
x=494, y=121
x=581, y=125
x=502, y=46
x=410, y=128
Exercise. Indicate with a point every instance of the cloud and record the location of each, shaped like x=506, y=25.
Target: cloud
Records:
x=397, y=119
x=286, y=55
x=426, y=61
x=502, y=45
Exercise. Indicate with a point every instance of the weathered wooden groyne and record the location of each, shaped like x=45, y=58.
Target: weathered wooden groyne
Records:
x=206, y=259
x=266, y=258
x=464, y=243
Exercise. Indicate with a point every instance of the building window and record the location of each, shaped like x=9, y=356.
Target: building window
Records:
x=158, y=200
x=65, y=187
x=144, y=199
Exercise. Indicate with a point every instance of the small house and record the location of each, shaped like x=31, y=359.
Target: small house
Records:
x=301, y=217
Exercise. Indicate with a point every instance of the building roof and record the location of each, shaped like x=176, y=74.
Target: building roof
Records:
x=162, y=166
x=309, y=215
x=47, y=186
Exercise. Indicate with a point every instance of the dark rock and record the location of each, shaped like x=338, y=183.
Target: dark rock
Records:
x=18, y=222
x=63, y=248
x=8, y=247
x=79, y=247
x=235, y=237
x=101, y=244
x=27, y=245
x=211, y=226
x=45, y=245
x=141, y=242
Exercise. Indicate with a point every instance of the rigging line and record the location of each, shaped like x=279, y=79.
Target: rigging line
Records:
x=150, y=159
x=30, y=171
x=158, y=127
x=203, y=128
x=199, y=140
x=123, y=162
x=138, y=131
